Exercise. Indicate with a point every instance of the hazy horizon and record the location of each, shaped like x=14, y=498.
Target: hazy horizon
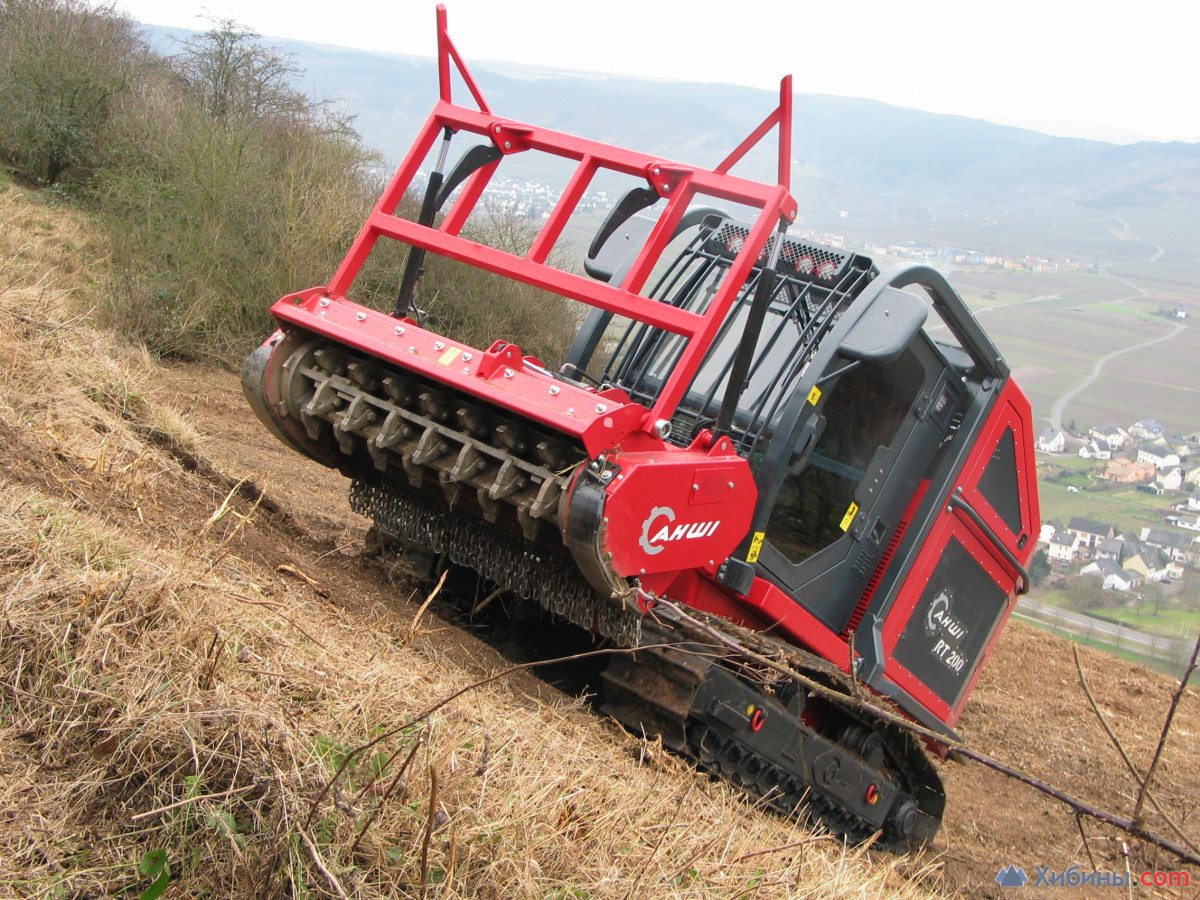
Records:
x=1024, y=64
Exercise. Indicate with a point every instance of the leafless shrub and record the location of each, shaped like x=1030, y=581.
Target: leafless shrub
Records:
x=229, y=190
x=63, y=66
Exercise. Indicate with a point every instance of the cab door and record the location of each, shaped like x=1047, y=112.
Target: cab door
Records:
x=855, y=459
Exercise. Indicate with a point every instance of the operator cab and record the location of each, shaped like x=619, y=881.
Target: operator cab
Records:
x=845, y=414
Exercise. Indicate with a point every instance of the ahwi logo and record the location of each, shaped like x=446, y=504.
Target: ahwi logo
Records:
x=652, y=541
x=939, y=618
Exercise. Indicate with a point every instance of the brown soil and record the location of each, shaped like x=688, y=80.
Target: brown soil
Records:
x=1028, y=709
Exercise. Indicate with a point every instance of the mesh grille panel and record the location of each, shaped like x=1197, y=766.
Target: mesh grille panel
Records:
x=804, y=260
x=951, y=624
x=999, y=482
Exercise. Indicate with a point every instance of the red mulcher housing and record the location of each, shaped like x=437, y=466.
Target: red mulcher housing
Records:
x=756, y=448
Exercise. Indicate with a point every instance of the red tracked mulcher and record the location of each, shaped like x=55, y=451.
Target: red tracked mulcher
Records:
x=758, y=447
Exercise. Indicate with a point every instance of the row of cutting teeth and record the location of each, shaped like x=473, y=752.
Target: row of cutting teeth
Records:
x=444, y=408
x=433, y=434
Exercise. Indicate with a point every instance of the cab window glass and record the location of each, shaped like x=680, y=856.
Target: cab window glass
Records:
x=863, y=412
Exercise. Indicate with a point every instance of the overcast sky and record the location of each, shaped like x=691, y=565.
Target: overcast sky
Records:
x=1086, y=68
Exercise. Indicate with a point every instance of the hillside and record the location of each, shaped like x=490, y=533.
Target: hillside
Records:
x=194, y=640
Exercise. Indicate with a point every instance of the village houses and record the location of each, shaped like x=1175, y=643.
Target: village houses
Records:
x=1150, y=563
x=1114, y=577
x=1093, y=449
x=1157, y=463
x=1157, y=455
x=1126, y=471
x=1174, y=544
x=1062, y=547
x=1147, y=429
x=1169, y=481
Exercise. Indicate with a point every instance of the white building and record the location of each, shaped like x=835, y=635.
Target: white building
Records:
x=1111, y=435
x=1062, y=547
x=1170, y=479
x=1147, y=429
x=1159, y=457
x=1115, y=578
x=1052, y=440
x=1089, y=532
x=1094, y=449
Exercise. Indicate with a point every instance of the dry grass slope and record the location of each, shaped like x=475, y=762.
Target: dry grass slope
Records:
x=165, y=687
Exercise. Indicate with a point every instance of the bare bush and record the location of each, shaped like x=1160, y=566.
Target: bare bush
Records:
x=239, y=81
x=470, y=304
x=63, y=66
x=230, y=188
x=222, y=186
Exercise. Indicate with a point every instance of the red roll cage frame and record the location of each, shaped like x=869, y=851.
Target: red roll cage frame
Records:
x=678, y=184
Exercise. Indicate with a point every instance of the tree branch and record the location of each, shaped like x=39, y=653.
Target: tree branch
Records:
x=1166, y=729
x=1137, y=776
x=1126, y=825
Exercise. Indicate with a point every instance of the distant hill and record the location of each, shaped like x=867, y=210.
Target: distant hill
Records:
x=898, y=173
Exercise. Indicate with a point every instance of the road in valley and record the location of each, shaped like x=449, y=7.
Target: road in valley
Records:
x=1056, y=411
x=1081, y=626
x=1060, y=404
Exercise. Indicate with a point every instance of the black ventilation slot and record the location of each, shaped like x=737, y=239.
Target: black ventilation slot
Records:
x=999, y=482
x=799, y=259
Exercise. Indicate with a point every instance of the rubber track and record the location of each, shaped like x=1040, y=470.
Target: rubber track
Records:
x=741, y=767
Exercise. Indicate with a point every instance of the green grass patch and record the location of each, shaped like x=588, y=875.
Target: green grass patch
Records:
x=1073, y=462
x=1122, y=309
x=1170, y=620
x=1129, y=509
x=1051, y=597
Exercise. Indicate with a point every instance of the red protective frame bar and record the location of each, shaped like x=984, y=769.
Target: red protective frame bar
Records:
x=447, y=52
x=679, y=184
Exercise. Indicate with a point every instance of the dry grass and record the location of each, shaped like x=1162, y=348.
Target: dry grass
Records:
x=161, y=689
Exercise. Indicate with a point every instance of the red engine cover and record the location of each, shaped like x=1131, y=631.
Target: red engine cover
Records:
x=673, y=509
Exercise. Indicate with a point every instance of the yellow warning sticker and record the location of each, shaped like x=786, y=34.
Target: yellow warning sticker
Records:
x=848, y=518
x=755, y=546
x=449, y=356
x=814, y=395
